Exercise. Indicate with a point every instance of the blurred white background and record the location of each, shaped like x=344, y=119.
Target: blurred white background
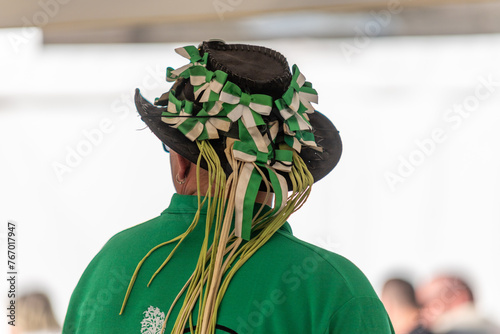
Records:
x=416, y=190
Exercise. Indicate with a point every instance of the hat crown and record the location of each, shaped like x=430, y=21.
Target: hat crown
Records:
x=241, y=61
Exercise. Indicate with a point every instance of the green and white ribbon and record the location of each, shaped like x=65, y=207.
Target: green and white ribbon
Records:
x=248, y=108
x=246, y=193
x=300, y=94
x=294, y=119
x=294, y=106
x=250, y=179
x=203, y=126
x=299, y=138
x=193, y=54
x=246, y=149
x=207, y=83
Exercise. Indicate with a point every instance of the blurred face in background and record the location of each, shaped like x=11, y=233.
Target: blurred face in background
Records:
x=438, y=297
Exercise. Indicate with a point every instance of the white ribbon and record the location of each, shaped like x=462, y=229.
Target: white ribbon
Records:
x=175, y=73
x=212, y=86
x=305, y=98
x=286, y=113
x=245, y=113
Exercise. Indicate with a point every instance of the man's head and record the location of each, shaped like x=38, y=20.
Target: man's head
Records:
x=35, y=313
x=442, y=294
x=398, y=297
x=399, y=293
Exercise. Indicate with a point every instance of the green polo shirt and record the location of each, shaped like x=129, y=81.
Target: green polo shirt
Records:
x=288, y=286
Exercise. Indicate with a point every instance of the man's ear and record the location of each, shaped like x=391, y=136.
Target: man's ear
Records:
x=184, y=165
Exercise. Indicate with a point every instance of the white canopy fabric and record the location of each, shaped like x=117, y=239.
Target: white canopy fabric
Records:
x=95, y=21
x=73, y=14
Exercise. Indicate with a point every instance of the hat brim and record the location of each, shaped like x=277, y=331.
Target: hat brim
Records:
x=318, y=163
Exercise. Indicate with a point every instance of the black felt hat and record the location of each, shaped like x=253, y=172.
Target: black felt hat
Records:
x=254, y=70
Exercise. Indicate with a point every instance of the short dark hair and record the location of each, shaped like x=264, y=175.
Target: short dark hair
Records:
x=402, y=291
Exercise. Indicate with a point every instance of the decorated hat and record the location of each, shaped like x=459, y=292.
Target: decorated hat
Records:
x=247, y=93
x=239, y=112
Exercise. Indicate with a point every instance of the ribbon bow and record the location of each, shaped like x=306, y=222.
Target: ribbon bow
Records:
x=246, y=149
x=299, y=138
x=248, y=108
x=296, y=120
x=300, y=94
x=294, y=106
x=192, y=53
x=250, y=178
x=207, y=82
x=203, y=126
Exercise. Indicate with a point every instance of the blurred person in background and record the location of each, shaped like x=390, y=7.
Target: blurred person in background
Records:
x=398, y=297
x=448, y=307
x=35, y=315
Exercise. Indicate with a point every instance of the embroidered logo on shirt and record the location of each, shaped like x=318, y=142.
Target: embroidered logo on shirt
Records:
x=153, y=321
x=154, y=318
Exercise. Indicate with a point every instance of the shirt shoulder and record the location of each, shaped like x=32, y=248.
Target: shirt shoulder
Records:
x=347, y=295
x=309, y=288
x=344, y=272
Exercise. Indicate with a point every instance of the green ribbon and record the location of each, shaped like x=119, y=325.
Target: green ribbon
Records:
x=300, y=93
x=246, y=149
x=246, y=194
x=201, y=126
x=207, y=83
x=193, y=54
x=296, y=120
x=248, y=108
x=248, y=186
x=299, y=138
x=294, y=106
x=174, y=108
x=245, y=105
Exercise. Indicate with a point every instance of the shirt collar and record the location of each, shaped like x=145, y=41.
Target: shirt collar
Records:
x=189, y=204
